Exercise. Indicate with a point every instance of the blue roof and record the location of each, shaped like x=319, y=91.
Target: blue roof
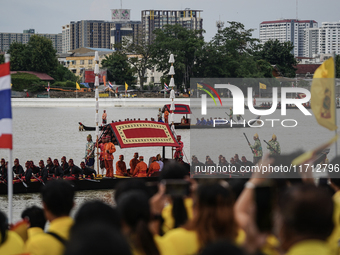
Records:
x=100, y=49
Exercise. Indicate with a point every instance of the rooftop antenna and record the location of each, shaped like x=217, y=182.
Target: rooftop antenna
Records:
x=296, y=9
x=219, y=24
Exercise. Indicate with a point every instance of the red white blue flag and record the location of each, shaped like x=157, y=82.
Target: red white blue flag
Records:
x=110, y=85
x=6, y=140
x=166, y=87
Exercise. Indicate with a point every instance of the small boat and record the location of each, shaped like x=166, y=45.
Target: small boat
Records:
x=82, y=127
x=243, y=124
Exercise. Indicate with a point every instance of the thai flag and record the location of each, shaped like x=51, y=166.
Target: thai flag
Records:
x=6, y=141
x=166, y=87
x=110, y=85
x=48, y=87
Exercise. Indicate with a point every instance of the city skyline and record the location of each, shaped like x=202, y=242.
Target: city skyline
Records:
x=50, y=16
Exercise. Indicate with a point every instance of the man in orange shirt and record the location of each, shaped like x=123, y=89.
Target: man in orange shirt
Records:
x=154, y=167
x=121, y=167
x=133, y=163
x=109, y=149
x=166, y=115
x=104, y=117
x=141, y=168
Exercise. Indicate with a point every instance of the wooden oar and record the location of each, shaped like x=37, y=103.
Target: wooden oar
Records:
x=271, y=147
x=38, y=180
x=249, y=143
x=90, y=180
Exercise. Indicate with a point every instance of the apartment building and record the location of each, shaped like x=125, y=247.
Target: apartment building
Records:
x=154, y=19
x=287, y=30
x=7, y=38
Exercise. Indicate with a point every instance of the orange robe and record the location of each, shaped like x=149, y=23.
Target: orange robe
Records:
x=133, y=164
x=166, y=116
x=141, y=169
x=108, y=158
x=154, y=167
x=120, y=168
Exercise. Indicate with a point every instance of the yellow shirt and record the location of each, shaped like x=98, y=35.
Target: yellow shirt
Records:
x=34, y=231
x=13, y=244
x=186, y=241
x=309, y=247
x=45, y=244
x=333, y=240
x=169, y=221
x=164, y=248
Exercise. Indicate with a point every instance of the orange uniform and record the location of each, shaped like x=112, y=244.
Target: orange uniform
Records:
x=154, y=167
x=133, y=164
x=166, y=116
x=108, y=158
x=141, y=169
x=120, y=168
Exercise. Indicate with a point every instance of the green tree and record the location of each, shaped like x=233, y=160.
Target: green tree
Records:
x=2, y=59
x=119, y=70
x=64, y=74
x=19, y=56
x=185, y=44
x=279, y=54
x=231, y=54
x=41, y=55
x=138, y=57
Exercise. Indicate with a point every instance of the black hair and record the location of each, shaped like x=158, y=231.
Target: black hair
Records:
x=335, y=175
x=222, y=247
x=35, y=215
x=128, y=185
x=3, y=228
x=58, y=197
x=134, y=210
x=97, y=238
x=307, y=210
x=175, y=170
x=97, y=211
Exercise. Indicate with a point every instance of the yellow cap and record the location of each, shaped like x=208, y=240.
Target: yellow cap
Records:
x=256, y=135
x=274, y=137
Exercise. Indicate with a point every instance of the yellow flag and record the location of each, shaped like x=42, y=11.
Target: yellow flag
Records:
x=126, y=86
x=199, y=86
x=77, y=86
x=262, y=86
x=322, y=95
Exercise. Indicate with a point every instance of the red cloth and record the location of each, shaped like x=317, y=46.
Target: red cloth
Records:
x=154, y=167
x=133, y=164
x=141, y=169
x=109, y=167
x=120, y=168
x=111, y=148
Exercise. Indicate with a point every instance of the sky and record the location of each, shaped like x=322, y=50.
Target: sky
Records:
x=47, y=16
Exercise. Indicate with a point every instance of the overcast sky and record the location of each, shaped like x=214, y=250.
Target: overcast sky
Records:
x=47, y=16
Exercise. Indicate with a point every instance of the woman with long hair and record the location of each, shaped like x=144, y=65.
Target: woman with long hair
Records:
x=213, y=220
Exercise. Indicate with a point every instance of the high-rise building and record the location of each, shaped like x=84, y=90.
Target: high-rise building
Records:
x=153, y=19
x=287, y=30
x=100, y=33
x=329, y=38
x=7, y=38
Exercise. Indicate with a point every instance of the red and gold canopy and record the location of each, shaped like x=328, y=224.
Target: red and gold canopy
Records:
x=180, y=108
x=143, y=134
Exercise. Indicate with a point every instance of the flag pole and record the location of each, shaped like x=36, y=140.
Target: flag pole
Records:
x=336, y=142
x=96, y=84
x=9, y=172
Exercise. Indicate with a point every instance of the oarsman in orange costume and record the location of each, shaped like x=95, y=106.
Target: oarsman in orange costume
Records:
x=133, y=163
x=179, y=150
x=141, y=168
x=109, y=149
x=104, y=117
x=154, y=167
x=166, y=115
x=121, y=167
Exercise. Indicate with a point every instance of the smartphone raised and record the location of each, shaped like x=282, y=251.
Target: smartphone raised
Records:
x=176, y=187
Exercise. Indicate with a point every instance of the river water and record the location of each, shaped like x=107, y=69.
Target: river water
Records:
x=42, y=132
